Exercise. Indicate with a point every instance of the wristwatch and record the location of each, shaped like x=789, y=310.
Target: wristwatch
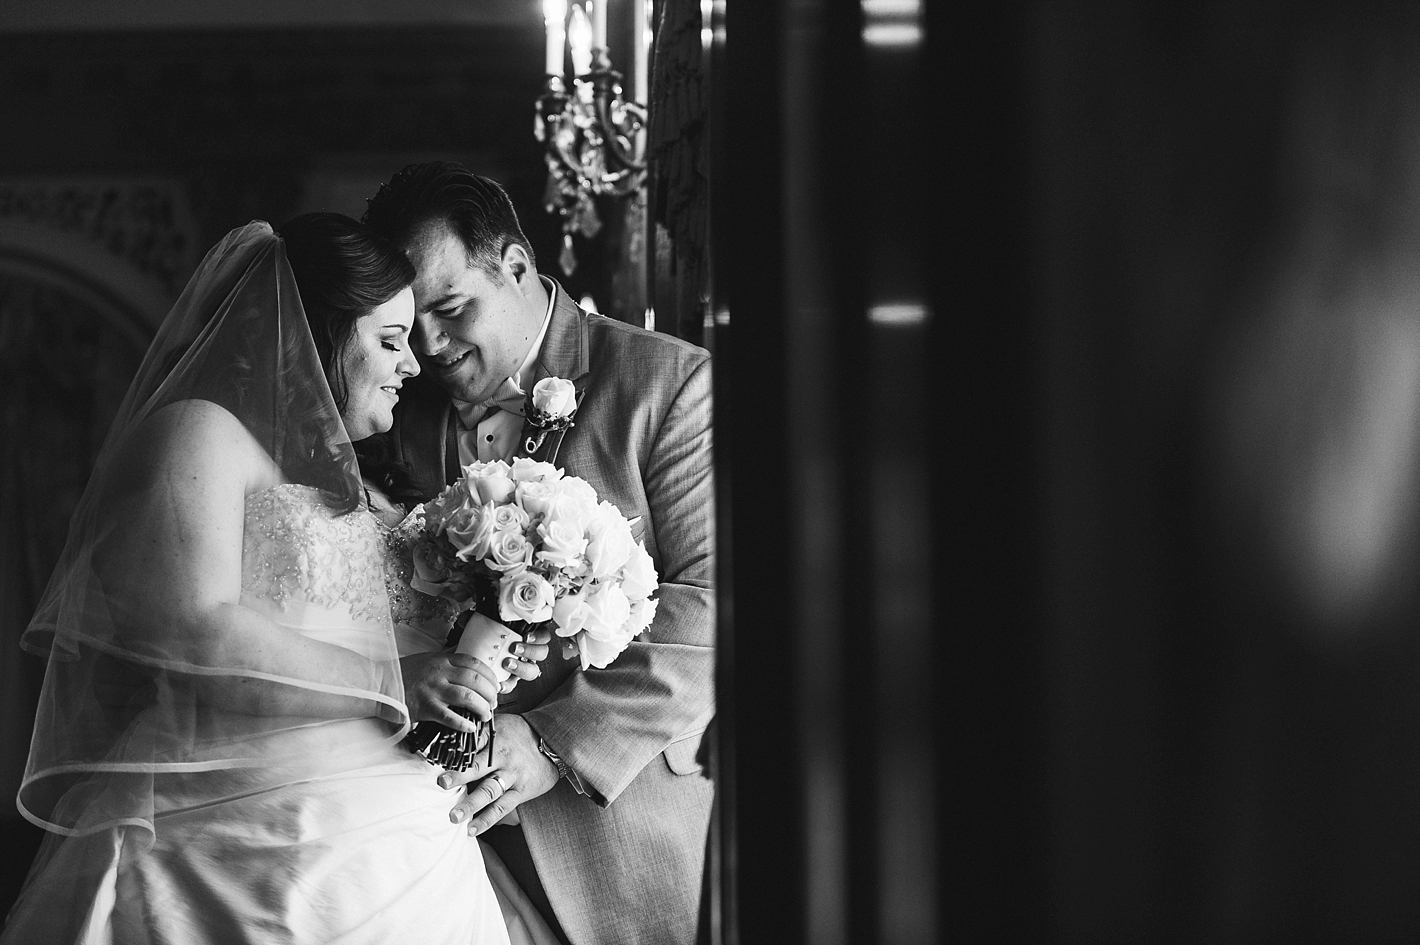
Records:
x=562, y=770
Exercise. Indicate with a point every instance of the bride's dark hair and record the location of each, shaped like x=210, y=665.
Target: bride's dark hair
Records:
x=344, y=270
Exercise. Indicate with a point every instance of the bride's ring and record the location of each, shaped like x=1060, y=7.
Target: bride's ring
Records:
x=502, y=788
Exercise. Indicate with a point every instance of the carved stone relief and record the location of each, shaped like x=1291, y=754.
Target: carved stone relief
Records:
x=147, y=224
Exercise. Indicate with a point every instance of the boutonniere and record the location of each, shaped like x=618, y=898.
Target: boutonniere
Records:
x=550, y=409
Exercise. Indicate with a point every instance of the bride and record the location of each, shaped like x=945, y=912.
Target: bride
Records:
x=216, y=751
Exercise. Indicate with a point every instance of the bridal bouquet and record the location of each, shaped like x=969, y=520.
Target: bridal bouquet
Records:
x=524, y=546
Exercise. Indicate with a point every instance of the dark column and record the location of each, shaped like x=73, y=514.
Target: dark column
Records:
x=881, y=647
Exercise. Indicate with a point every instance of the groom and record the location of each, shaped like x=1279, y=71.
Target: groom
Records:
x=599, y=815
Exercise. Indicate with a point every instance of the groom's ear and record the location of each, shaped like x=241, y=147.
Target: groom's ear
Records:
x=518, y=267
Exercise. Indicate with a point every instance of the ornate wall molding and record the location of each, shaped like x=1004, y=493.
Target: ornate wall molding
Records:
x=239, y=118
x=147, y=223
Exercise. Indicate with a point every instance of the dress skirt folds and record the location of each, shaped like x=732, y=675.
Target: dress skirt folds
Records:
x=203, y=825
x=366, y=856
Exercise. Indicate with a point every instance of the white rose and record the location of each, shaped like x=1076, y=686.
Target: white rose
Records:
x=570, y=614
x=638, y=575
x=494, y=467
x=490, y=480
x=596, y=653
x=536, y=496
x=509, y=552
x=555, y=396
x=527, y=469
x=609, y=543
x=525, y=596
x=471, y=531
x=578, y=488
x=509, y=517
x=642, y=613
x=571, y=508
x=563, y=542
x=608, y=610
x=456, y=497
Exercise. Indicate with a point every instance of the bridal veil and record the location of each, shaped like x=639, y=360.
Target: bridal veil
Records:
x=120, y=720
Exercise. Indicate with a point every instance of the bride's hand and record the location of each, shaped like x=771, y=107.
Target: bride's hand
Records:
x=529, y=653
x=435, y=681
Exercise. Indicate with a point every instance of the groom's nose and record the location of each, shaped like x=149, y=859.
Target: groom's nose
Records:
x=427, y=339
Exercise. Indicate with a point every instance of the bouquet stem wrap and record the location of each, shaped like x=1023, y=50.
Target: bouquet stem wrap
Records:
x=489, y=642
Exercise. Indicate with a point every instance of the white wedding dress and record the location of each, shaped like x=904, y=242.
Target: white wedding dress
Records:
x=353, y=847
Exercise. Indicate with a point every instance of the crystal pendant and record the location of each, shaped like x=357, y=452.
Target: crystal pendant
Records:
x=567, y=258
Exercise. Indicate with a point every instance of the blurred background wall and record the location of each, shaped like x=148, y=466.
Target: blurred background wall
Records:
x=1228, y=226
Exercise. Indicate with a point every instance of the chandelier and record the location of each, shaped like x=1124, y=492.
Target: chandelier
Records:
x=592, y=137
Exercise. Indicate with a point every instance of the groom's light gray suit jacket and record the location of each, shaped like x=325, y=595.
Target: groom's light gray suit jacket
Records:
x=625, y=867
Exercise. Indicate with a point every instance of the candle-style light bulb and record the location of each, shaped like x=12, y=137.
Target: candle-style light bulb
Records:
x=598, y=11
x=554, y=15
x=640, y=51
x=579, y=36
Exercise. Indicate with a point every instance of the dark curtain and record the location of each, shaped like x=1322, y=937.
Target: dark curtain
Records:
x=679, y=183
x=1231, y=321
x=1173, y=384
x=65, y=364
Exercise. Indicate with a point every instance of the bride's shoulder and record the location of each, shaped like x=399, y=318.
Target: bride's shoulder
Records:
x=196, y=418
x=203, y=439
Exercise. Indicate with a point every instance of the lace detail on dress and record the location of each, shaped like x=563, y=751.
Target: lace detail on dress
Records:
x=295, y=547
x=407, y=605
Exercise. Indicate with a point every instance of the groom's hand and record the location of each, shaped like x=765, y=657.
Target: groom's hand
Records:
x=435, y=681
x=518, y=773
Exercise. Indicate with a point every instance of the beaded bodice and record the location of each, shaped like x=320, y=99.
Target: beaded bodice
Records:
x=296, y=549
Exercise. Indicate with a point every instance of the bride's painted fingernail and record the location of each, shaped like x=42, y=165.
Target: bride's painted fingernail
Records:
x=445, y=780
x=457, y=815
x=510, y=664
x=516, y=649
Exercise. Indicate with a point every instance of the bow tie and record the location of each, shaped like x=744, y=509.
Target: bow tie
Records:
x=509, y=397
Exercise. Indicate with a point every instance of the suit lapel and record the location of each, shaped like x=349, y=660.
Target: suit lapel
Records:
x=565, y=353
x=564, y=347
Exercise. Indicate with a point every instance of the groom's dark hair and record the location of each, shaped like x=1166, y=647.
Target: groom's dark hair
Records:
x=477, y=209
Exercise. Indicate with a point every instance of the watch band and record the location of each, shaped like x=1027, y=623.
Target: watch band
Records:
x=563, y=771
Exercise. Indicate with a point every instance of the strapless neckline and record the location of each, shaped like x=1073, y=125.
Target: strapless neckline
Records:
x=296, y=548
